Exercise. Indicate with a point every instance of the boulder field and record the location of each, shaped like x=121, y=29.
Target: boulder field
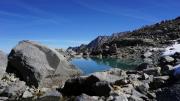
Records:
x=34, y=72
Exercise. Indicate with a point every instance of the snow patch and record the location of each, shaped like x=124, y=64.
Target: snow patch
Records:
x=170, y=50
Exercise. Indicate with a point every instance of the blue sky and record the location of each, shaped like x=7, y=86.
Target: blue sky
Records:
x=63, y=23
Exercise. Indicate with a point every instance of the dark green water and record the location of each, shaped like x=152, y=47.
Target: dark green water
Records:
x=90, y=65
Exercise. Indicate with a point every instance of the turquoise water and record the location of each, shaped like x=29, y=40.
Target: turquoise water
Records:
x=90, y=65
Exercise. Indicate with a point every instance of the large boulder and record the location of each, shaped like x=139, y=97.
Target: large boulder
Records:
x=33, y=62
x=3, y=63
x=79, y=85
x=90, y=85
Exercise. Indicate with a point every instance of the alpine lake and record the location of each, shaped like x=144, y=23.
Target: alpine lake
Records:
x=93, y=64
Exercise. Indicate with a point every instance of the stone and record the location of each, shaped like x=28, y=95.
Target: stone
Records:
x=121, y=82
x=143, y=66
x=148, y=61
x=176, y=73
x=145, y=76
x=135, y=98
x=143, y=88
x=146, y=54
x=85, y=97
x=121, y=97
x=107, y=76
x=27, y=94
x=151, y=95
x=101, y=88
x=3, y=63
x=159, y=82
x=3, y=98
x=87, y=85
x=32, y=62
x=167, y=69
x=167, y=60
x=138, y=94
x=177, y=55
x=52, y=95
x=74, y=86
x=79, y=85
x=14, y=89
x=153, y=71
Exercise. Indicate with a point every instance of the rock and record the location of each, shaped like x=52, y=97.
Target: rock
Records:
x=79, y=85
x=85, y=97
x=145, y=76
x=167, y=60
x=134, y=98
x=74, y=86
x=121, y=82
x=32, y=62
x=88, y=85
x=170, y=93
x=143, y=66
x=148, y=61
x=101, y=89
x=113, y=49
x=120, y=98
x=143, y=88
x=151, y=95
x=3, y=63
x=177, y=55
x=167, y=69
x=146, y=55
x=27, y=94
x=14, y=90
x=3, y=98
x=127, y=89
x=159, y=82
x=153, y=71
x=132, y=72
x=107, y=76
x=138, y=94
x=52, y=95
x=176, y=73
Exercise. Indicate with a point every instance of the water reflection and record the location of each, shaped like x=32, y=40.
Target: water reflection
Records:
x=90, y=65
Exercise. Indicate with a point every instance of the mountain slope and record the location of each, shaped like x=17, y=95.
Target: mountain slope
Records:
x=124, y=44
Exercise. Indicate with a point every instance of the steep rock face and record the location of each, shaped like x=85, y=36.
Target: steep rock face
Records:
x=98, y=42
x=3, y=63
x=32, y=62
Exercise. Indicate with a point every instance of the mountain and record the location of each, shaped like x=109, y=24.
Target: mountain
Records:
x=123, y=44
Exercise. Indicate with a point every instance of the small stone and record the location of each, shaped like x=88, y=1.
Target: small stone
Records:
x=152, y=71
x=85, y=97
x=158, y=82
x=121, y=82
x=147, y=55
x=27, y=94
x=52, y=95
x=145, y=76
x=138, y=94
x=167, y=69
x=151, y=95
x=166, y=60
x=135, y=98
x=143, y=88
x=101, y=89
